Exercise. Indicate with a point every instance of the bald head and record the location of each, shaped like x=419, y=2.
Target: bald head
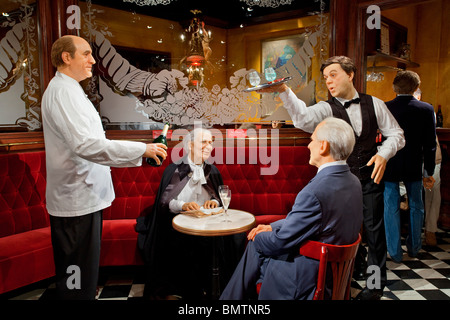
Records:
x=72, y=55
x=63, y=44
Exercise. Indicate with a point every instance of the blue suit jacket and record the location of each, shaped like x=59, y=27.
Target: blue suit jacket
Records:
x=329, y=209
x=417, y=120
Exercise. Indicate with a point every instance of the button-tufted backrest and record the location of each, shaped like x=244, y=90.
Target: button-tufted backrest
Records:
x=270, y=186
x=264, y=181
x=22, y=193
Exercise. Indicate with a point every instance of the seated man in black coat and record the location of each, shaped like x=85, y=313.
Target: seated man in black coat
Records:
x=180, y=264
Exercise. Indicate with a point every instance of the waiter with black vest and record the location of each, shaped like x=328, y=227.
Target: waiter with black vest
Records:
x=366, y=114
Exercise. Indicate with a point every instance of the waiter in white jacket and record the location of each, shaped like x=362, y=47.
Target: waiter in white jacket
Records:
x=78, y=159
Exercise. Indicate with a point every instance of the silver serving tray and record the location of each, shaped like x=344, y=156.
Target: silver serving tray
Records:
x=268, y=84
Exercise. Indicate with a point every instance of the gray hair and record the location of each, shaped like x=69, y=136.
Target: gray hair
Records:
x=340, y=136
x=190, y=137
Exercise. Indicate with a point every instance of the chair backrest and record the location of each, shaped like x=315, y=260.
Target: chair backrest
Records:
x=342, y=260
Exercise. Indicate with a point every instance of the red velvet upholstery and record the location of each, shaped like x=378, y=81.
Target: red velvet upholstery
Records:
x=25, y=246
x=26, y=254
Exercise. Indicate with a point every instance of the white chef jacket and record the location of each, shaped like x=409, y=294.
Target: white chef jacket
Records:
x=78, y=155
x=307, y=118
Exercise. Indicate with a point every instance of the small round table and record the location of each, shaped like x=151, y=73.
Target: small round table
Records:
x=213, y=226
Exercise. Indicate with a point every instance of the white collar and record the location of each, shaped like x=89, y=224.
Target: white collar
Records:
x=334, y=163
x=342, y=101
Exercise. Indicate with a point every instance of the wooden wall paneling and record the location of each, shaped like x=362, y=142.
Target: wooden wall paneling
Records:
x=52, y=25
x=45, y=39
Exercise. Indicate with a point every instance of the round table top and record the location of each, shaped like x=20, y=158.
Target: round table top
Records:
x=214, y=225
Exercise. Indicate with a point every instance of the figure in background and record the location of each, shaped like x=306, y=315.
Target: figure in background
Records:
x=179, y=264
x=328, y=209
x=414, y=163
x=432, y=194
x=366, y=115
x=78, y=157
x=433, y=200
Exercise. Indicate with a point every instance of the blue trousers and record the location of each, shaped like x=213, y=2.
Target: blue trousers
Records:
x=392, y=218
x=282, y=277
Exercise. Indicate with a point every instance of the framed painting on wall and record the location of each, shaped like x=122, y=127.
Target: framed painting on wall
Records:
x=276, y=52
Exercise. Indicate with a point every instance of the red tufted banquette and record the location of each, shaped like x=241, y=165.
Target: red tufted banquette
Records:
x=264, y=181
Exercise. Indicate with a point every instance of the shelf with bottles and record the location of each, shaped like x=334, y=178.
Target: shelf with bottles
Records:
x=381, y=58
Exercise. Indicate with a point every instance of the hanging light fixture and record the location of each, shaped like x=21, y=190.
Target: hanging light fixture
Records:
x=267, y=3
x=148, y=2
x=199, y=51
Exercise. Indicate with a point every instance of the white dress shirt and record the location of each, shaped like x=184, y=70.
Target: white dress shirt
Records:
x=193, y=191
x=307, y=118
x=78, y=155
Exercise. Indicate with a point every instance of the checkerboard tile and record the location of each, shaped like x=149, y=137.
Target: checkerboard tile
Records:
x=425, y=277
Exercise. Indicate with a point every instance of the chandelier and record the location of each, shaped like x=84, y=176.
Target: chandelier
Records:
x=148, y=2
x=199, y=51
x=267, y=3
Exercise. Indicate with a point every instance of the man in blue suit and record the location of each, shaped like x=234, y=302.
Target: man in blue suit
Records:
x=414, y=163
x=329, y=209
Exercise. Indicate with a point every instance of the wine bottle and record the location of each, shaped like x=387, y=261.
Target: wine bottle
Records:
x=161, y=139
x=439, y=118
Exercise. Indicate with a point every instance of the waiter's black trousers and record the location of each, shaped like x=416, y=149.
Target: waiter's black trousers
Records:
x=374, y=226
x=76, y=249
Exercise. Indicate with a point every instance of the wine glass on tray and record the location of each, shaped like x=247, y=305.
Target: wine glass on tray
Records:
x=253, y=78
x=225, y=196
x=270, y=74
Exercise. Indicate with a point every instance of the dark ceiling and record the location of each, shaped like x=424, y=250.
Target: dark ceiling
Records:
x=220, y=13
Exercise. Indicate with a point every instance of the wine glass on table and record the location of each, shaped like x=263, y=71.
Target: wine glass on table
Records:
x=225, y=196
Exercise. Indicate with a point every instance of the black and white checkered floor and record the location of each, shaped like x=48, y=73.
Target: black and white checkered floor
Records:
x=426, y=277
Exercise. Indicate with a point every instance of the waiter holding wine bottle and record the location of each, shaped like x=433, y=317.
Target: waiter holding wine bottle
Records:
x=162, y=138
x=78, y=157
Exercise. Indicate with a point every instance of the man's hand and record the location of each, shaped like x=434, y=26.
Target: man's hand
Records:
x=258, y=229
x=188, y=206
x=210, y=204
x=153, y=150
x=378, y=169
x=428, y=183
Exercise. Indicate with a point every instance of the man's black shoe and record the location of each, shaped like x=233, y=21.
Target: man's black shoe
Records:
x=359, y=271
x=359, y=274
x=367, y=294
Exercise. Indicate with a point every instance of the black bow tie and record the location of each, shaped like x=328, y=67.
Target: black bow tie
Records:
x=348, y=103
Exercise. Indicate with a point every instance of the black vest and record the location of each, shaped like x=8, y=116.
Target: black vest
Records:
x=365, y=147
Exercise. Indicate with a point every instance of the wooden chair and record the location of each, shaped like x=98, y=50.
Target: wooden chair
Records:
x=342, y=260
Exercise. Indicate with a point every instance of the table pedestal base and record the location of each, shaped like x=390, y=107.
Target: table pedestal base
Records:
x=215, y=285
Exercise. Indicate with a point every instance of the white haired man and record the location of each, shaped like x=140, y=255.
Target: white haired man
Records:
x=180, y=264
x=328, y=209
